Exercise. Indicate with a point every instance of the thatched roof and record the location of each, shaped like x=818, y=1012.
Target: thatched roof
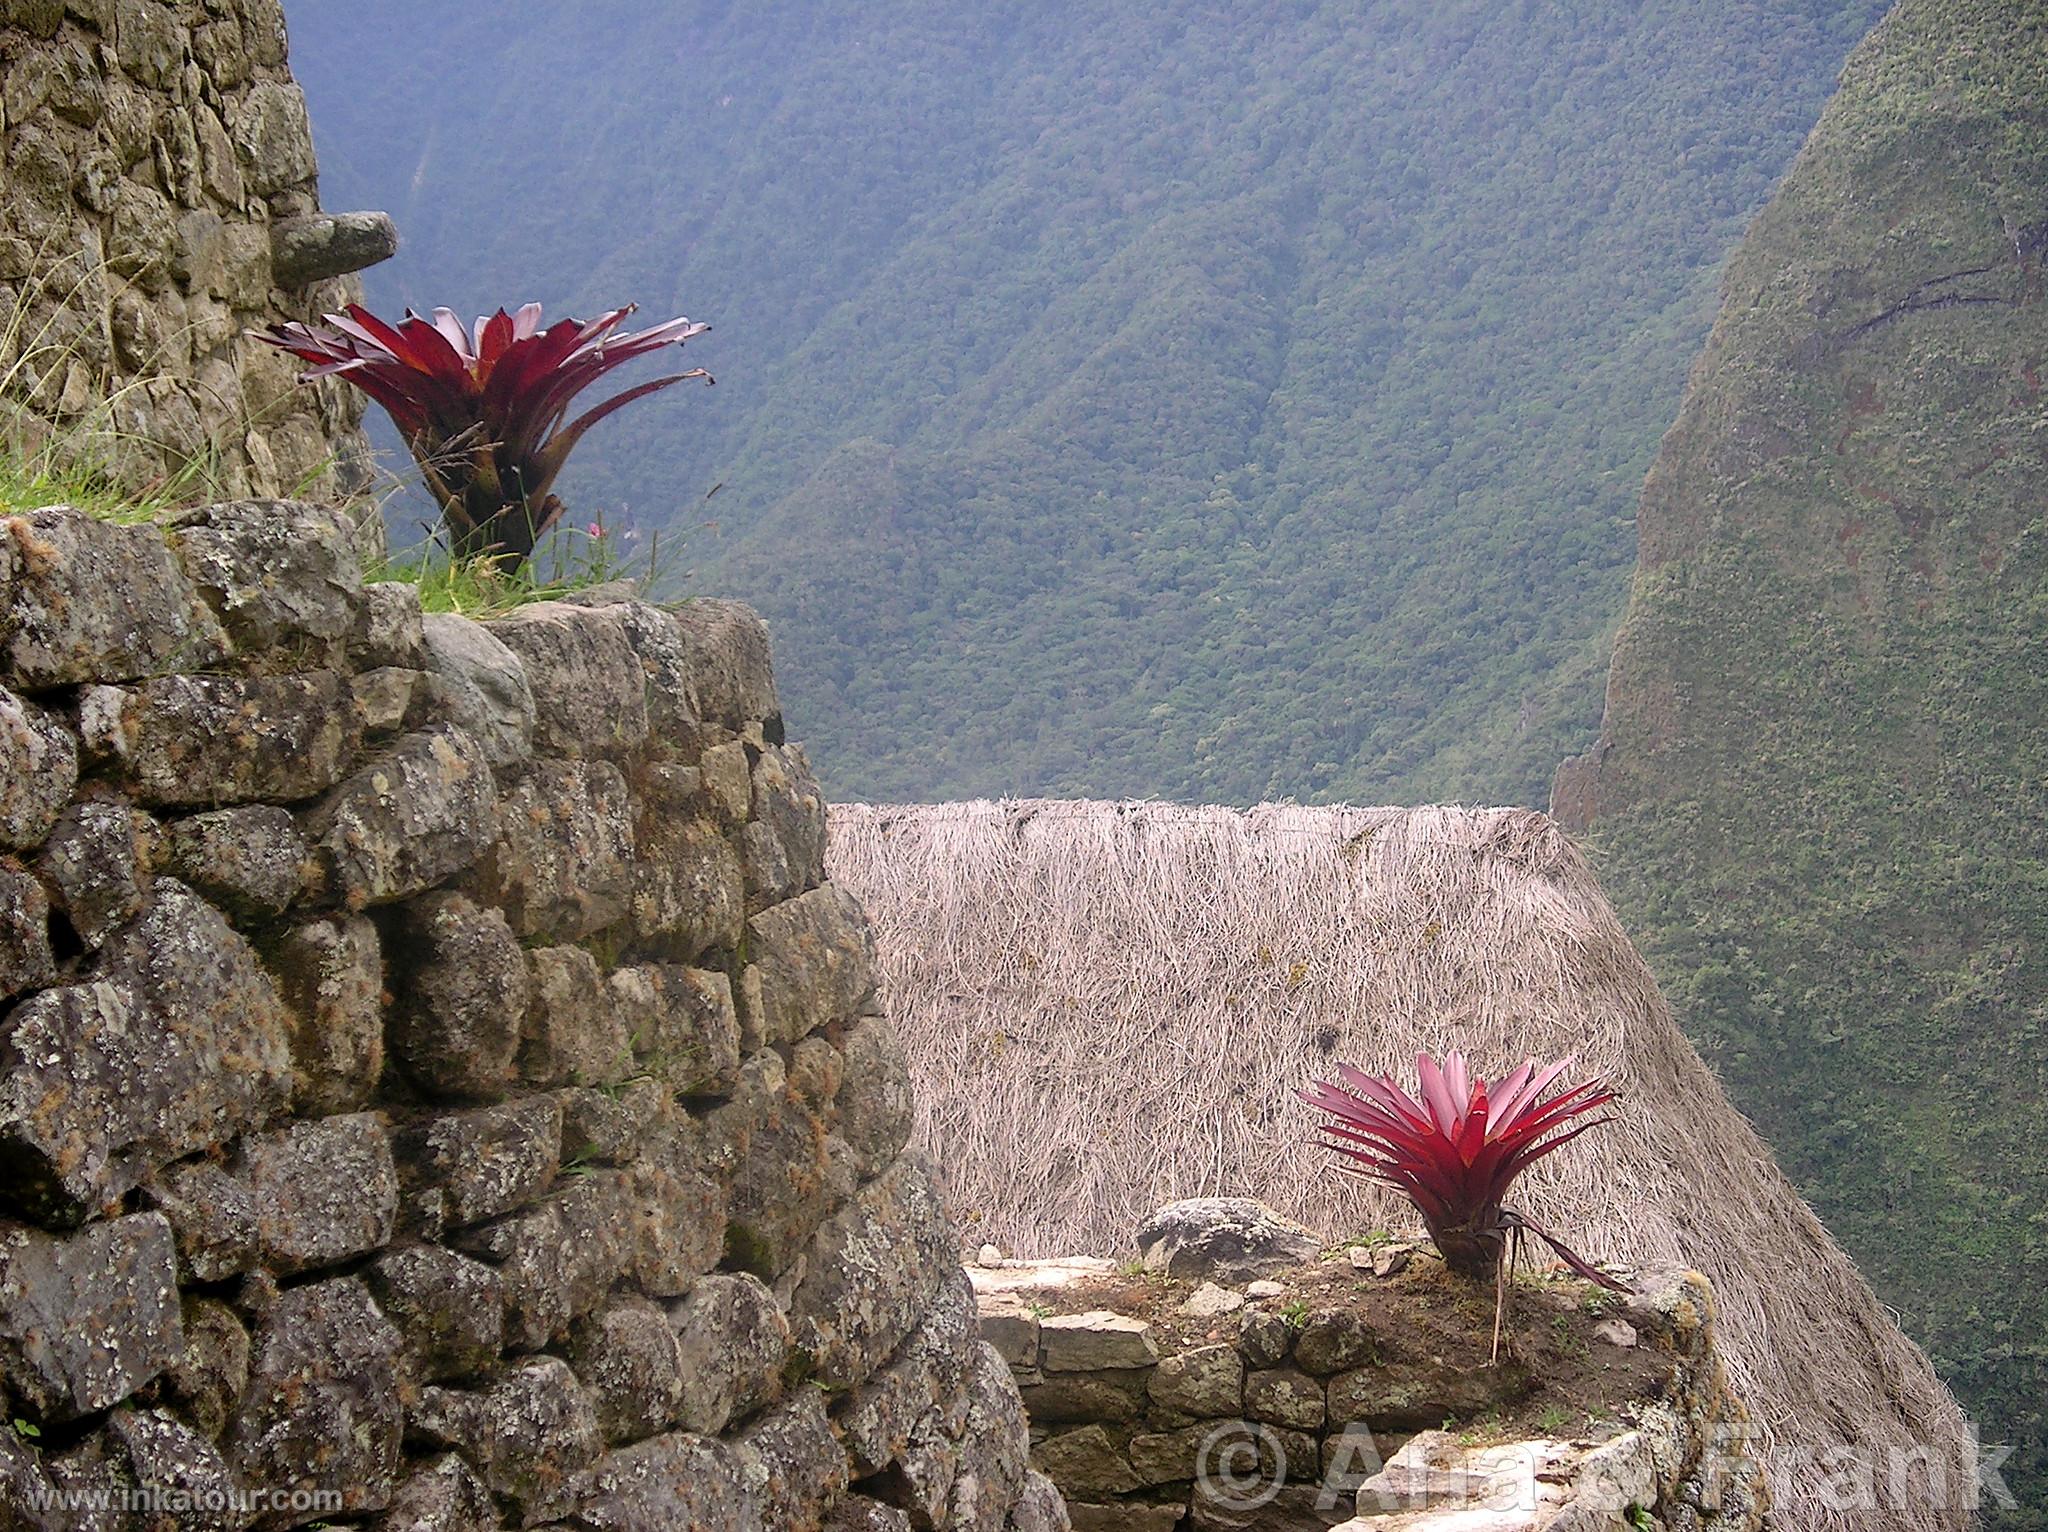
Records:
x=1108, y=1006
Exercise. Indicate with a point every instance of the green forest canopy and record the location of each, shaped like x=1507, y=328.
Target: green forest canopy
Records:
x=1115, y=398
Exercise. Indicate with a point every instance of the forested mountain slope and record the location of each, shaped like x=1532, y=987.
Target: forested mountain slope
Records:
x=1190, y=399
x=1820, y=799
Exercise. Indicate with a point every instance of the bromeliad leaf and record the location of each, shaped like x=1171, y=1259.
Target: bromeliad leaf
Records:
x=482, y=410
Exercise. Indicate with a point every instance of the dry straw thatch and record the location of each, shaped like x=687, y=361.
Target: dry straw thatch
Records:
x=1108, y=1006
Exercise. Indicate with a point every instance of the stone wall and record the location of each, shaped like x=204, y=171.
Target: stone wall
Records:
x=1331, y=1395
x=436, y=1081
x=158, y=198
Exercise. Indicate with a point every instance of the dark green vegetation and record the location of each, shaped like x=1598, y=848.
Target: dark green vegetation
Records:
x=1116, y=398
x=1819, y=800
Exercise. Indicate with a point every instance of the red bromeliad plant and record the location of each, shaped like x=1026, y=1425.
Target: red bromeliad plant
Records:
x=1456, y=1151
x=483, y=412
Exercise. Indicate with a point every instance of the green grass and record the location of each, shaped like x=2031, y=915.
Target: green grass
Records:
x=570, y=559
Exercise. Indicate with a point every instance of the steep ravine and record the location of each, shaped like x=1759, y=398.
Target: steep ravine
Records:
x=1818, y=796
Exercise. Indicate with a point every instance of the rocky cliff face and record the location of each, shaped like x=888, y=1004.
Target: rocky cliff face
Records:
x=1818, y=796
x=158, y=200
x=438, y=1089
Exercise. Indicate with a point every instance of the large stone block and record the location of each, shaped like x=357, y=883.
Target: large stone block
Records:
x=1204, y=1383
x=871, y=1273
x=734, y=1340
x=790, y=1174
x=813, y=963
x=614, y=1126
x=1086, y=1462
x=207, y=1379
x=631, y=1363
x=461, y=994
x=727, y=671
x=678, y=1227
x=526, y=1433
x=928, y=1374
x=689, y=887
x=784, y=842
x=589, y=692
x=1095, y=1342
x=282, y=576
x=26, y=961
x=86, y=1320
x=390, y=628
x=96, y=860
x=562, y=862
x=660, y=1485
x=212, y=1212
x=484, y=1162
x=251, y=860
x=681, y=1024
x=97, y=601
x=325, y=1190
x=1334, y=1340
x=204, y=741
x=798, y=1462
x=574, y=1033
x=1228, y=1239
x=38, y=769
x=160, y=1452
x=443, y=1496
x=180, y=1044
x=449, y=1309
x=992, y=1449
x=331, y=974
x=559, y=1258
x=322, y=1408
x=272, y=136
x=416, y=816
x=1039, y=1508
x=477, y=684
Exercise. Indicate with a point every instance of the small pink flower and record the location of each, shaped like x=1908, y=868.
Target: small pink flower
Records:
x=596, y=529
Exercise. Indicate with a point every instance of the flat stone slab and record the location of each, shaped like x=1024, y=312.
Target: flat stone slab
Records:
x=1027, y=1276
x=1094, y=1342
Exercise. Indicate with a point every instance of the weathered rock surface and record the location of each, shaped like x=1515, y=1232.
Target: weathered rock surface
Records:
x=323, y=245
x=437, y=1077
x=1229, y=1239
x=322, y=1411
x=250, y=860
x=418, y=815
x=448, y=1308
x=526, y=1433
x=575, y=1032
x=727, y=672
x=194, y=741
x=179, y=1044
x=281, y=575
x=477, y=684
x=589, y=692
x=94, y=859
x=562, y=862
x=462, y=993
x=811, y=963
x=331, y=975
x=681, y=1025
x=733, y=1340
x=26, y=959
x=87, y=1319
x=38, y=769
x=483, y=1162
x=97, y=601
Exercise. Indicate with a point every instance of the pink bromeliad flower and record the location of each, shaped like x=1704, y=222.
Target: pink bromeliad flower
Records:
x=483, y=410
